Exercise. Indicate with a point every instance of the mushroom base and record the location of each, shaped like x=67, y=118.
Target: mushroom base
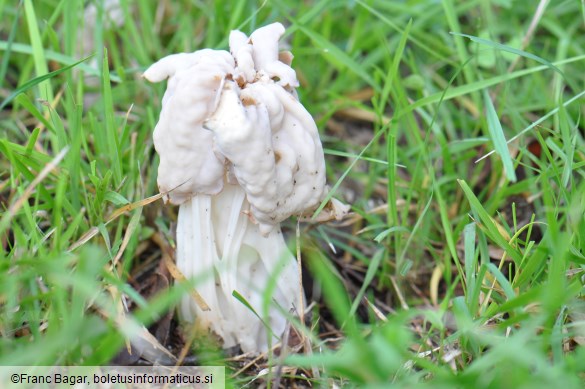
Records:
x=224, y=252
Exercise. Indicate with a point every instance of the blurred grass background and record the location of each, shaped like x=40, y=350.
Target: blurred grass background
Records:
x=451, y=272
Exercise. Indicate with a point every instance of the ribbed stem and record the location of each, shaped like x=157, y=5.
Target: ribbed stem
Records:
x=223, y=251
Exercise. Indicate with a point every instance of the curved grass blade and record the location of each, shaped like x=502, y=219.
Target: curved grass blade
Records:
x=512, y=50
x=37, y=80
x=342, y=59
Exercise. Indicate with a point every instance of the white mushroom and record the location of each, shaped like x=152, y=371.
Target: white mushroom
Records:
x=239, y=154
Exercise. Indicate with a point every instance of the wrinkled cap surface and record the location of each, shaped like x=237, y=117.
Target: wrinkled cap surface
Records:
x=188, y=163
x=237, y=112
x=274, y=146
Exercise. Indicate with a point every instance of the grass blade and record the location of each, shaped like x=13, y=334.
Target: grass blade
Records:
x=340, y=57
x=512, y=50
x=498, y=139
x=537, y=122
x=489, y=226
x=51, y=55
x=110, y=133
x=6, y=57
x=9, y=214
x=37, y=80
x=41, y=68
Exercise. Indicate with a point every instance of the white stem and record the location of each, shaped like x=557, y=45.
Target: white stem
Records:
x=224, y=251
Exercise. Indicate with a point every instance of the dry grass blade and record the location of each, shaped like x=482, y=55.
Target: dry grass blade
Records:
x=187, y=346
x=353, y=113
x=117, y=213
x=434, y=284
x=129, y=207
x=399, y=294
x=530, y=32
x=250, y=364
x=129, y=231
x=146, y=345
x=283, y=354
x=376, y=310
x=84, y=238
x=176, y=273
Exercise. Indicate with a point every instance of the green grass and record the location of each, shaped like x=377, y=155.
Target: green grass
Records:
x=455, y=270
